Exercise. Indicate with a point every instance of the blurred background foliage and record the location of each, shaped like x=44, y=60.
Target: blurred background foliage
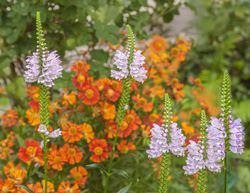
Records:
x=221, y=41
x=68, y=24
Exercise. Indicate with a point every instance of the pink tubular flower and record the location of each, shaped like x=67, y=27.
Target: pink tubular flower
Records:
x=159, y=143
x=236, y=131
x=32, y=68
x=215, y=144
x=195, y=161
x=136, y=69
x=177, y=140
x=44, y=73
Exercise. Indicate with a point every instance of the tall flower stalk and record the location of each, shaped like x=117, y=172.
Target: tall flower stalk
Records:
x=43, y=67
x=225, y=113
x=128, y=67
x=202, y=176
x=166, y=158
x=166, y=139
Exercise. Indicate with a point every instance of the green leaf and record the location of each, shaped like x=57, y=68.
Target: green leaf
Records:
x=20, y=140
x=26, y=188
x=125, y=189
x=16, y=88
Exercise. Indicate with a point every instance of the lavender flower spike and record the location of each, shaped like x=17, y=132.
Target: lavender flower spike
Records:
x=177, y=140
x=137, y=71
x=158, y=144
x=43, y=129
x=215, y=144
x=236, y=135
x=32, y=66
x=51, y=69
x=56, y=133
x=121, y=63
x=195, y=161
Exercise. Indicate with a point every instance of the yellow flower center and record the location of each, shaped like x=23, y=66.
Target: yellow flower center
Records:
x=80, y=78
x=31, y=150
x=98, y=150
x=110, y=92
x=57, y=159
x=89, y=93
x=72, y=131
x=124, y=126
x=72, y=151
x=130, y=118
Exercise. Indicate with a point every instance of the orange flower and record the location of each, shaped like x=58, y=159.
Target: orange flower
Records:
x=148, y=121
x=32, y=152
x=132, y=119
x=71, y=132
x=9, y=118
x=65, y=187
x=33, y=93
x=68, y=99
x=112, y=91
x=99, y=148
x=33, y=116
x=125, y=146
x=81, y=79
x=39, y=187
x=79, y=174
x=158, y=44
x=187, y=129
x=6, y=145
x=130, y=123
x=7, y=186
x=16, y=173
x=87, y=131
x=154, y=91
x=72, y=153
x=110, y=129
x=101, y=83
x=53, y=107
x=80, y=66
x=142, y=103
x=89, y=95
x=56, y=159
x=108, y=110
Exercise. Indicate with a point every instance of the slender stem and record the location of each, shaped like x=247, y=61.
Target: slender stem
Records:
x=119, y=119
x=44, y=115
x=164, y=172
x=225, y=173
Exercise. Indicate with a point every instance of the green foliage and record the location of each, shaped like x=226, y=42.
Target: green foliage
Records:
x=242, y=110
x=68, y=24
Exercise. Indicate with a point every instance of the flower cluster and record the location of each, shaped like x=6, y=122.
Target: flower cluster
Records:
x=135, y=69
x=159, y=141
x=236, y=135
x=212, y=156
x=44, y=70
x=86, y=113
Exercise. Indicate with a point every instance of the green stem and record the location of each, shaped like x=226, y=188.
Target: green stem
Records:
x=202, y=181
x=202, y=176
x=44, y=116
x=166, y=158
x=226, y=111
x=121, y=112
x=225, y=173
x=164, y=172
x=123, y=103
